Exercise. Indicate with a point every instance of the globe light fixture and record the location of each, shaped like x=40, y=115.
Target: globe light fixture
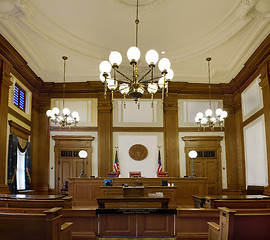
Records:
x=136, y=85
x=63, y=119
x=83, y=155
x=209, y=119
x=193, y=154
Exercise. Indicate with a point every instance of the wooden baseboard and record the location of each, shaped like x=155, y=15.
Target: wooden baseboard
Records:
x=83, y=236
x=191, y=236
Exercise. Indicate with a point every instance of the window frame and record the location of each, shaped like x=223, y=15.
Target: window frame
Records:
x=20, y=89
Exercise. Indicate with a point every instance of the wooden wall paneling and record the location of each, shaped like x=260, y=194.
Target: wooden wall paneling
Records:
x=105, y=163
x=171, y=139
x=5, y=83
x=265, y=85
x=149, y=225
x=40, y=143
x=18, y=131
x=117, y=225
x=234, y=142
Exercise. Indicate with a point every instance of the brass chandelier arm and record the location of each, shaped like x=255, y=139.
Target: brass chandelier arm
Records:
x=149, y=80
x=140, y=80
x=129, y=80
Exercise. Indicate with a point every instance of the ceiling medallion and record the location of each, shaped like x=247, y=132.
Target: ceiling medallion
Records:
x=138, y=152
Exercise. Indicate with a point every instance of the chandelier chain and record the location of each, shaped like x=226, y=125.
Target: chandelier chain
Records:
x=137, y=23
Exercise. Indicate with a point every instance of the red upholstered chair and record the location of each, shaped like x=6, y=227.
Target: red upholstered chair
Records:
x=134, y=174
x=162, y=174
x=113, y=174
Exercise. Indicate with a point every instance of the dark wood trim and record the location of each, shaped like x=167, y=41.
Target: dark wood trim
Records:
x=251, y=65
x=195, y=129
x=138, y=129
x=19, y=116
x=18, y=130
x=253, y=117
x=202, y=138
x=73, y=129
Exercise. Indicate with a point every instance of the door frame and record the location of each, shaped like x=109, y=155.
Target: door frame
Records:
x=69, y=143
x=205, y=143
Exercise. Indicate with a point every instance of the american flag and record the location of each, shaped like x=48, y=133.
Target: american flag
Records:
x=116, y=164
x=159, y=162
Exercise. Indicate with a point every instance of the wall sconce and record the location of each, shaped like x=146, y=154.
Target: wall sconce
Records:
x=83, y=155
x=193, y=154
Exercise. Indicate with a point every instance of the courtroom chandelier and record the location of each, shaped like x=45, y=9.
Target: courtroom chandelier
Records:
x=209, y=120
x=136, y=85
x=65, y=119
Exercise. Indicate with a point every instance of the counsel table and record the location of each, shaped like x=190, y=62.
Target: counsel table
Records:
x=102, y=200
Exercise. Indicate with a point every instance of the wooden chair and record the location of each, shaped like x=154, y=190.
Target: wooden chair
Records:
x=134, y=174
x=255, y=190
x=113, y=174
x=162, y=174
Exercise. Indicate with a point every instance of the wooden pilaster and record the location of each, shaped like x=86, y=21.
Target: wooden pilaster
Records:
x=104, y=135
x=40, y=143
x=265, y=85
x=234, y=144
x=5, y=83
x=171, y=136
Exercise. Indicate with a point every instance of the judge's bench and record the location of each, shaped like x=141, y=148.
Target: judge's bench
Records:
x=85, y=191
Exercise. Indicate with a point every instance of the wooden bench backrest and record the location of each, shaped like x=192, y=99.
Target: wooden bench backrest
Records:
x=241, y=224
x=239, y=204
x=65, y=202
x=18, y=225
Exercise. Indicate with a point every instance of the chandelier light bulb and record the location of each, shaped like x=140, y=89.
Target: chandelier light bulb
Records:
x=49, y=113
x=170, y=74
x=66, y=111
x=133, y=53
x=112, y=84
x=124, y=88
x=75, y=114
x=197, y=119
x=83, y=154
x=152, y=88
x=55, y=111
x=204, y=120
x=199, y=115
x=115, y=58
x=164, y=64
x=218, y=112
x=161, y=83
x=69, y=120
x=224, y=114
x=151, y=57
x=140, y=90
x=105, y=67
x=208, y=112
x=213, y=120
x=192, y=154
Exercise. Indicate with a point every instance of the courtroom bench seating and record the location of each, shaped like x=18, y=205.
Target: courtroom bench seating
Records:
x=241, y=224
x=65, y=202
x=192, y=223
x=33, y=224
x=85, y=222
x=239, y=204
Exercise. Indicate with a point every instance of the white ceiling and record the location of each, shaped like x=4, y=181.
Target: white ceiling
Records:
x=86, y=31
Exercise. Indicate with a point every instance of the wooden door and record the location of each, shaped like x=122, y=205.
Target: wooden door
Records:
x=205, y=165
x=67, y=161
x=208, y=162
